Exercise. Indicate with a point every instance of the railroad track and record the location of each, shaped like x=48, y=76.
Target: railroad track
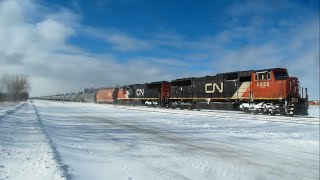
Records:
x=235, y=115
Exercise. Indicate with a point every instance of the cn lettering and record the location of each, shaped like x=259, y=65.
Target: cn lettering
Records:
x=140, y=92
x=212, y=87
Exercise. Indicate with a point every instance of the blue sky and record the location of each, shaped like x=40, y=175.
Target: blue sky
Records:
x=68, y=45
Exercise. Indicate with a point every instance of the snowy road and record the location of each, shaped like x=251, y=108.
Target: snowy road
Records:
x=54, y=140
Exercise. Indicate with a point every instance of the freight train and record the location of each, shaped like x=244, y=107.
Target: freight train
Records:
x=266, y=91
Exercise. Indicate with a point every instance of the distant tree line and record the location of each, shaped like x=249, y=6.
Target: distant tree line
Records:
x=15, y=87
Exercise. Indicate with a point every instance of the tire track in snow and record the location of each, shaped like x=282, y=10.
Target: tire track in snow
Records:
x=231, y=152
x=57, y=157
x=226, y=148
x=11, y=111
x=217, y=148
x=24, y=150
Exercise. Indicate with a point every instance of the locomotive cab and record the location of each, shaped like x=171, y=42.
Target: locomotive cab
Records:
x=274, y=86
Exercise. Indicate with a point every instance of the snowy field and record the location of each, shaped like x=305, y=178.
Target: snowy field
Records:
x=55, y=140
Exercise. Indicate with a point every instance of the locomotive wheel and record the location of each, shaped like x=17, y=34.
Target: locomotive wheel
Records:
x=272, y=113
x=246, y=110
x=265, y=111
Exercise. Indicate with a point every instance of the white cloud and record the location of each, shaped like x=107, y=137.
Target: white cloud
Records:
x=252, y=56
x=118, y=40
x=51, y=30
x=12, y=12
x=33, y=41
x=123, y=42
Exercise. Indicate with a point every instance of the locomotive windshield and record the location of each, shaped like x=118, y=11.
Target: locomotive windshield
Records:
x=280, y=75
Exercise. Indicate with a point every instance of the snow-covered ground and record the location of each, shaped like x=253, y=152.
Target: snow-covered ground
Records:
x=25, y=152
x=314, y=111
x=55, y=140
x=7, y=107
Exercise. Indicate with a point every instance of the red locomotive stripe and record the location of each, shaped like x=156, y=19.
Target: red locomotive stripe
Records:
x=137, y=98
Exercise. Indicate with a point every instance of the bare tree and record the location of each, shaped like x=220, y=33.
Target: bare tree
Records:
x=16, y=87
x=2, y=88
x=1, y=85
x=5, y=81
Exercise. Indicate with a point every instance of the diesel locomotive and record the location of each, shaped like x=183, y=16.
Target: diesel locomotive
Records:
x=267, y=91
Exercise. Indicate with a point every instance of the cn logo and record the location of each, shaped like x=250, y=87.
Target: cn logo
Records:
x=211, y=87
x=140, y=92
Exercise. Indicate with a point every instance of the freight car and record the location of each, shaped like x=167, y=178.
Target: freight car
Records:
x=77, y=97
x=106, y=95
x=89, y=95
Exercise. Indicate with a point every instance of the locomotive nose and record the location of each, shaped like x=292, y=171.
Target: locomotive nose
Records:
x=293, y=87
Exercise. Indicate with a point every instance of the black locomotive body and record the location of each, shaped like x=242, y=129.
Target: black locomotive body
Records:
x=140, y=94
x=209, y=92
